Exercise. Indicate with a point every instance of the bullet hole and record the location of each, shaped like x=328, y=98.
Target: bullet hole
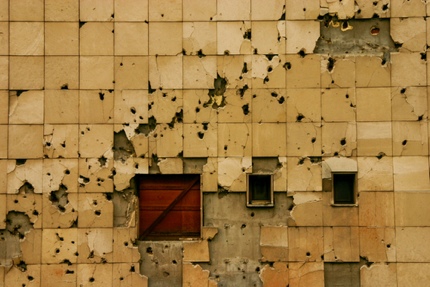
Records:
x=347, y=96
x=91, y=279
x=65, y=87
x=150, y=89
x=374, y=31
x=201, y=135
x=59, y=237
x=266, y=79
x=216, y=95
x=247, y=34
x=166, y=274
x=283, y=14
x=242, y=91
x=404, y=142
x=375, y=16
x=245, y=109
x=315, y=159
x=108, y=196
x=132, y=269
x=255, y=51
x=245, y=68
x=330, y=64
x=302, y=53
x=243, y=226
x=375, y=3
x=388, y=245
x=184, y=52
x=95, y=202
x=398, y=45
x=252, y=214
x=16, y=201
x=308, y=253
x=281, y=100
x=70, y=271
x=257, y=269
x=205, y=126
x=48, y=144
x=420, y=118
x=81, y=24
x=22, y=266
x=403, y=90
x=423, y=56
x=59, y=198
x=269, y=69
x=273, y=94
x=35, y=212
x=301, y=161
x=97, y=212
x=26, y=188
x=57, y=250
x=314, y=140
x=380, y=155
x=20, y=161
x=197, y=110
x=121, y=278
x=384, y=7
x=304, y=9
x=336, y=153
x=299, y=117
x=225, y=147
x=149, y=250
x=200, y=54
x=343, y=141
x=226, y=52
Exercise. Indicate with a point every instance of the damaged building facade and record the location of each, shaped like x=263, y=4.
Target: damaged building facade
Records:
x=214, y=143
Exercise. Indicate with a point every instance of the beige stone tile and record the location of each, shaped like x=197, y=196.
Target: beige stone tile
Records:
x=28, y=203
x=338, y=72
x=301, y=36
x=269, y=106
x=3, y=141
x=371, y=71
x=61, y=72
x=26, y=38
x=26, y=107
x=411, y=208
x=59, y=245
x=276, y=275
x=126, y=274
x=268, y=37
x=95, y=140
x=95, y=175
x=268, y=71
x=231, y=37
x=304, y=139
x=131, y=72
x=273, y=253
x=127, y=169
x=412, y=274
x=199, y=73
x=194, y=275
x=301, y=10
x=410, y=138
x=131, y=38
x=195, y=10
x=25, y=73
x=341, y=244
x=303, y=105
x=140, y=143
x=368, y=9
x=4, y=37
x=196, y=251
x=166, y=106
x=4, y=107
x=303, y=174
x=209, y=232
x=269, y=10
x=200, y=140
x=370, y=172
x=269, y=139
x=25, y=141
x=27, y=10
x=307, y=210
x=96, y=39
x=280, y=175
x=165, y=38
x=378, y=244
x=56, y=214
x=274, y=236
x=338, y=215
x=374, y=138
x=343, y=9
x=4, y=8
x=296, y=67
x=165, y=10
x=124, y=245
x=339, y=139
x=165, y=72
x=95, y=210
x=411, y=173
x=306, y=274
x=209, y=176
x=409, y=104
x=61, y=107
x=234, y=139
x=233, y=10
x=67, y=10
x=134, y=10
x=17, y=277
x=232, y=172
x=379, y=275
x=408, y=70
x=376, y=209
x=96, y=107
x=199, y=38
x=236, y=70
x=4, y=77
x=96, y=10
x=97, y=275
x=96, y=72
x=373, y=104
x=238, y=109
x=338, y=105
x=60, y=173
x=61, y=38
x=95, y=245
x=410, y=32
x=411, y=244
x=20, y=173
x=170, y=140
x=410, y=8
x=305, y=243
x=131, y=106
x=58, y=275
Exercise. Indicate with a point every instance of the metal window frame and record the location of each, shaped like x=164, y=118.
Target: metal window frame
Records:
x=259, y=203
x=355, y=203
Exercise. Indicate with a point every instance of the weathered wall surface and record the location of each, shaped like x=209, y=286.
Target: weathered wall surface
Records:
x=96, y=92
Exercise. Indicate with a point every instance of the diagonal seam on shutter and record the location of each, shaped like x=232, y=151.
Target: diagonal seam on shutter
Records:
x=168, y=209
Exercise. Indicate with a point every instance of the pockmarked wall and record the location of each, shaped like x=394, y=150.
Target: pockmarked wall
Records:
x=94, y=93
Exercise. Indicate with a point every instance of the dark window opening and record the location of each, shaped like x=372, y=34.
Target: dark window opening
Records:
x=344, y=188
x=170, y=207
x=260, y=190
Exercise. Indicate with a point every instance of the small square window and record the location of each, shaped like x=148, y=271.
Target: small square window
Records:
x=260, y=190
x=344, y=188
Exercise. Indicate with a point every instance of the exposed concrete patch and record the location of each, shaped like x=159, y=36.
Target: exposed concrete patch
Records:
x=18, y=223
x=125, y=205
x=123, y=148
x=9, y=248
x=232, y=172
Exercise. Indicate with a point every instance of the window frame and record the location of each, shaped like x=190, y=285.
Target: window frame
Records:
x=259, y=203
x=354, y=191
